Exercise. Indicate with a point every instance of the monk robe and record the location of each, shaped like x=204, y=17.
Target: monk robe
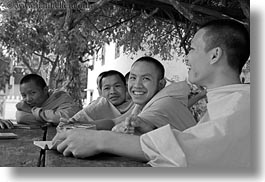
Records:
x=220, y=139
x=169, y=106
x=58, y=105
x=102, y=109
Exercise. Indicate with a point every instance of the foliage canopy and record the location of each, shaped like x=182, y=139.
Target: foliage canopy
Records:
x=56, y=37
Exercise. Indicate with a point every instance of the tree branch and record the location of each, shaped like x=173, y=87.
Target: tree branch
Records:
x=54, y=65
x=119, y=23
x=213, y=13
x=186, y=35
x=26, y=63
x=171, y=16
x=91, y=9
x=186, y=12
x=245, y=8
x=146, y=15
x=67, y=19
x=42, y=55
x=41, y=60
x=92, y=23
x=167, y=33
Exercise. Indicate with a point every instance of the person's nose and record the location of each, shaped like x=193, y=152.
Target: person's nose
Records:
x=112, y=90
x=28, y=98
x=138, y=82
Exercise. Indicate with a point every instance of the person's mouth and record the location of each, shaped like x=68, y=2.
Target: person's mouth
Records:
x=30, y=104
x=138, y=93
x=114, y=98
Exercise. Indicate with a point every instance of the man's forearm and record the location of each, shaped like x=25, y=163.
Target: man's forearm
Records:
x=121, y=144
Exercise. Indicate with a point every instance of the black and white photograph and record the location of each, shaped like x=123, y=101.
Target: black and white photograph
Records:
x=136, y=88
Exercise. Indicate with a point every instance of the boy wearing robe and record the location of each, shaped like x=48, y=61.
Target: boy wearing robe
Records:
x=39, y=105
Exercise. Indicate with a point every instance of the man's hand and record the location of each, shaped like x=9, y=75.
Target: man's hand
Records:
x=6, y=124
x=138, y=126
x=23, y=106
x=121, y=128
x=80, y=143
x=133, y=125
x=67, y=121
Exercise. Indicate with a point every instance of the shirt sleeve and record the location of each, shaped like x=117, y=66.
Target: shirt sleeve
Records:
x=25, y=118
x=162, y=149
x=65, y=110
x=101, y=109
x=82, y=116
x=168, y=110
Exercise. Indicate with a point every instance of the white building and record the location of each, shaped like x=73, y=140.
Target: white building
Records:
x=110, y=58
x=9, y=99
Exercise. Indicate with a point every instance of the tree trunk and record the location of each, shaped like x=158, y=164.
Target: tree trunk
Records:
x=72, y=72
x=52, y=76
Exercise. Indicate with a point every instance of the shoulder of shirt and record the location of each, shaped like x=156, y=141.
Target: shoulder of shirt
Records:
x=178, y=90
x=58, y=93
x=174, y=89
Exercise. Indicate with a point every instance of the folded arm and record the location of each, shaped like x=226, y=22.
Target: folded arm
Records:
x=66, y=110
x=26, y=118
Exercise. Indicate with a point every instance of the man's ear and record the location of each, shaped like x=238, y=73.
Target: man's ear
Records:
x=162, y=83
x=215, y=54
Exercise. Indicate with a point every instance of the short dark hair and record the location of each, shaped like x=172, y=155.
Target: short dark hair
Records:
x=111, y=73
x=127, y=76
x=39, y=81
x=232, y=37
x=99, y=77
x=156, y=63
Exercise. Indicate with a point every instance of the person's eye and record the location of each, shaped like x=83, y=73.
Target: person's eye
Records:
x=106, y=88
x=132, y=78
x=118, y=85
x=146, y=78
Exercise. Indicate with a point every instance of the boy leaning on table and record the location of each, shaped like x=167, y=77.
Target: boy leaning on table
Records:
x=221, y=138
x=41, y=105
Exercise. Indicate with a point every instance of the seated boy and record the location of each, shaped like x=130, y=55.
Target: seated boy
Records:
x=160, y=106
x=39, y=105
x=111, y=104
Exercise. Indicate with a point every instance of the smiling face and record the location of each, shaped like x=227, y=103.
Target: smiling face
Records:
x=199, y=61
x=33, y=94
x=143, y=82
x=114, y=89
